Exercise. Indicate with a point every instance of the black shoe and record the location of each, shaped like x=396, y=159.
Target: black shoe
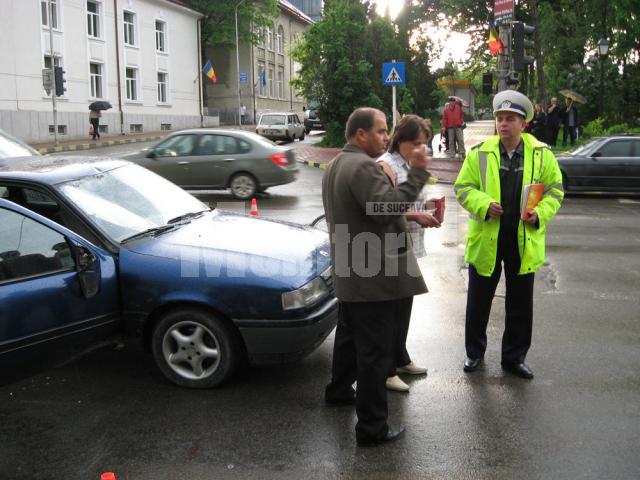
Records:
x=392, y=434
x=519, y=369
x=471, y=364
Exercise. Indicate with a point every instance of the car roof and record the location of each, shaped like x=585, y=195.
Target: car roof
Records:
x=53, y=170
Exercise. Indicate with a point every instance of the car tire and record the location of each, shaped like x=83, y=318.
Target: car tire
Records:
x=243, y=186
x=194, y=348
x=302, y=137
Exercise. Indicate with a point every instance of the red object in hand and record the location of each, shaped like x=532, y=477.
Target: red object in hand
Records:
x=108, y=476
x=439, y=213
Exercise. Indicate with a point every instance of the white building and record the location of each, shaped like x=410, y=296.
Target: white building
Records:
x=140, y=55
x=265, y=71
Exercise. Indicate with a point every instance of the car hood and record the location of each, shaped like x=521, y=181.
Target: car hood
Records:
x=229, y=242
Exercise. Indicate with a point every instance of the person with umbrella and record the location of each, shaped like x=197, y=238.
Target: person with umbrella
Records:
x=569, y=116
x=94, y=116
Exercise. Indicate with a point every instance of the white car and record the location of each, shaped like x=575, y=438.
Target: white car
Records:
x=280, y=126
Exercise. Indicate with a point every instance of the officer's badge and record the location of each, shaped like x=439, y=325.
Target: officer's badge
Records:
x=505, y=104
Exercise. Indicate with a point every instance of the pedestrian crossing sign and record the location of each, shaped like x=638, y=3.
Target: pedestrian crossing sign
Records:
x=393, y=73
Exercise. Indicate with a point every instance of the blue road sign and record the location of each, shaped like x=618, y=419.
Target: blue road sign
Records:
x=393, y=73
x=244, y=77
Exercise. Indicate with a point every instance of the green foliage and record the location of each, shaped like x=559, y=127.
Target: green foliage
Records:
x=218, y=24
x=594, y=128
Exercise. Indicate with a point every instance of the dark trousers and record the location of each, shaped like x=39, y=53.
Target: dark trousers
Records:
x=552, y=134
x=571, y=133
x=96, y=125
x=403, y=317
x=516, y=339
x=363, y=351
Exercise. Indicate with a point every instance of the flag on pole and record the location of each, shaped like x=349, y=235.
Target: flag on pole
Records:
x=209, y=72
x=495, y=44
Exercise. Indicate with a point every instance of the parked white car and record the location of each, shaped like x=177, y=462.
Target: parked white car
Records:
x=280, y=126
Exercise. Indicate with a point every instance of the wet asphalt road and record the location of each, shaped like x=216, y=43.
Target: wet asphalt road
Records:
x=579, y=418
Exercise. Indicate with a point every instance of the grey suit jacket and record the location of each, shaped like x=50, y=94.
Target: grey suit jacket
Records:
x=371, y=253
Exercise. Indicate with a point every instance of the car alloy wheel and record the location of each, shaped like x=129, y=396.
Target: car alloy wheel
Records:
x=193, y=348
x=243, y=186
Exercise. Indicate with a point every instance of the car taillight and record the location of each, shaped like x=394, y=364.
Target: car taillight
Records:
x=279, y=159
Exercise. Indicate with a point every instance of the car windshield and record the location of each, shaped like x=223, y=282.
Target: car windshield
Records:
x=129, y=200
x=272, y=120
x=586, y=147
x=12, y=147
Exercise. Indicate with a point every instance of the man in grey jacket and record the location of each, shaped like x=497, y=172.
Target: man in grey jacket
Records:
x=374, y=269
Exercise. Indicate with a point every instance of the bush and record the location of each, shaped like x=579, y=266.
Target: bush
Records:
x=594, y=129
x=619, y=128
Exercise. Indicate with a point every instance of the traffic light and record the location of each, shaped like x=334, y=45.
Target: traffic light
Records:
x=58, y=73
x=487, y=83
x=521, y=43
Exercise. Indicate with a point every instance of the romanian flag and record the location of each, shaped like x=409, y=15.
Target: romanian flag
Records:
x=209, y=72
x=495, y=44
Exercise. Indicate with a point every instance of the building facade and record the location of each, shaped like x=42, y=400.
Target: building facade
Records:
x=142, y=56
x=264, y=75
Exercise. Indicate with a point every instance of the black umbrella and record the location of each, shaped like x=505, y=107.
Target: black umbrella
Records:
x=100, y=105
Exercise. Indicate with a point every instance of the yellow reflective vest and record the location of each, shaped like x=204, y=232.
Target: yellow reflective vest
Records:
x=478, y=185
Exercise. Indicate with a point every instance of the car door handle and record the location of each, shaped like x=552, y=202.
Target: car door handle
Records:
x=228, y=159
x=183, y=163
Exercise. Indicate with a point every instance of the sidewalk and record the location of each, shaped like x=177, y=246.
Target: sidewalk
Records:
x=110, y=140
x=444, y=168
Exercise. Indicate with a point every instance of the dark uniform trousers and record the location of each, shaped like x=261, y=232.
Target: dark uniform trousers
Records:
x=363, y=351
x=516, y=339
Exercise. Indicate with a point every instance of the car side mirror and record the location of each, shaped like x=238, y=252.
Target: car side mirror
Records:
x=151, y=154
x=88, y=268
x=596, y=154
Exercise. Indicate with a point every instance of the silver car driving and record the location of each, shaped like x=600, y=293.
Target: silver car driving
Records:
x=280, y=126
x=203, y=159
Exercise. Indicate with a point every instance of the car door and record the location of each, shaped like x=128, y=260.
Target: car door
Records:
x=173, y=157
x=218, y=157
x=299, y=126
x=58, y=292
x=614, y=165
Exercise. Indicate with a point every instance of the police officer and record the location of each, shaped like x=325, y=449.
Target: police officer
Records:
x=490, y=186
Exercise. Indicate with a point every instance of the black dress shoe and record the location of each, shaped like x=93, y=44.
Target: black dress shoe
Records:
x=392, y=434
x=519, y=369
x=471, y=364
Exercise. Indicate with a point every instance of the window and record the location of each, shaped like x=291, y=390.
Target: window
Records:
x=161, y=41
x=165, y=127
x=280, y=82
x=269, y=39
x=93, y=19
x=260, y=34
x=132, y=83
x=95, y=72
x=62, y=129
x=28, y=248
x=262, y=86
x=272, y=85
x=44, y=10
x=129, y=22
x=135, y=128
x=47, y=61
x=280, y=39
x=619, y=148
x=176, y=146
x=162, y=87
x=217, y=145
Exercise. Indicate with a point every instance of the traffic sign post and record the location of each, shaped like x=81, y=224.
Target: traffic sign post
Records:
x=393, y=73
x=244, y=77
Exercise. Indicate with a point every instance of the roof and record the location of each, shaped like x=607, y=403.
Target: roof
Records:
x=53, y=170
x=295, y=12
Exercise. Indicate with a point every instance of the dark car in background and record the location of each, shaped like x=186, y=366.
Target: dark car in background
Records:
x=203, y=159
x=95, y=249
x=312, y=121
x=603, y=164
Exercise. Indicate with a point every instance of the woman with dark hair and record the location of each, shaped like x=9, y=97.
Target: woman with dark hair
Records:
x=410, y=132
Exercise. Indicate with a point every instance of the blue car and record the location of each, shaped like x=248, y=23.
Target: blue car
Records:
x=97, y=249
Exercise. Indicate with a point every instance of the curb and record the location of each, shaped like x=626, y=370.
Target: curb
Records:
x=91, y=146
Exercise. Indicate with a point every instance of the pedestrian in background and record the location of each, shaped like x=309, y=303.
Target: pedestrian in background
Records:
x=374, y=285
x=453, y=121
x=570, y=122
x=490, y=186
x=94, y=120
x=410, y=133
x=553, y=122
x=243, y=114
x=538, y=123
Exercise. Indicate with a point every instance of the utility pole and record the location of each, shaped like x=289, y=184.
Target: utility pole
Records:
x=238, y=62
x=504, y=58
x=53, y=92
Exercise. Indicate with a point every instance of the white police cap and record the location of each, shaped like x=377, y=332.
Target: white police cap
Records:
x=513, y=101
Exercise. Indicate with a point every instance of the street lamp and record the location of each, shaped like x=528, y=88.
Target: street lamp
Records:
x=238, y=61
x=603, y=49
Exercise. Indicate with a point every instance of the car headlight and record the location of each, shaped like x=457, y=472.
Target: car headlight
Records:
x=307, y=294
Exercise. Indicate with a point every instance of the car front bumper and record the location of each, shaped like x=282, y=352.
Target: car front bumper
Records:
x=278, y=341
